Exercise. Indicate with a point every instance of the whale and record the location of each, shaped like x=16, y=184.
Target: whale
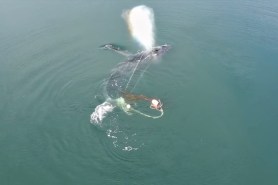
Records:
x=118, y=87
x=124, y=77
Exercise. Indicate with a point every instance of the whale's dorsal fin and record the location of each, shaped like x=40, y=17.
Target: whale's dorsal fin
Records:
x=116, y=49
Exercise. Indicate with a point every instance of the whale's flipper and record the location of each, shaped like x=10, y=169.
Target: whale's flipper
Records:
x=116, y=49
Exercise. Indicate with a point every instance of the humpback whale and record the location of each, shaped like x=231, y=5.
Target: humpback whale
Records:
x=125, y=76
x=118, y=87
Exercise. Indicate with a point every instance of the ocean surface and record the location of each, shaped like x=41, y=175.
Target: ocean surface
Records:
x=218, y=85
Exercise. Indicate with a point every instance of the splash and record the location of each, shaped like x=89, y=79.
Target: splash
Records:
x=101, y=111
x=140, y=21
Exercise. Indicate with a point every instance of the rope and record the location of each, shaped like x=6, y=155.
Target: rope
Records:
x=121, y=103
x=140, y=60
x=149, y=116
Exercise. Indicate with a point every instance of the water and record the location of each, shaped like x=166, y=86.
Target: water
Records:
x=218, y=84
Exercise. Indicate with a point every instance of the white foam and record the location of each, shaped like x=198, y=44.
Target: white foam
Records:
x=101, y=111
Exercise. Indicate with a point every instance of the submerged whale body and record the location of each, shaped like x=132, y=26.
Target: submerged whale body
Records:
x=126, y=74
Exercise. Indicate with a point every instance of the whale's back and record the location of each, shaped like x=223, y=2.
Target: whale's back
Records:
x=124, y=77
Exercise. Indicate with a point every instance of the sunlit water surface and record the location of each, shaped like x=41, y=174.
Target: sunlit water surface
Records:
x=218, y=84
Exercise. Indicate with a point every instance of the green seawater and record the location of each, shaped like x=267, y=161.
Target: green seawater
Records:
x=218, y=83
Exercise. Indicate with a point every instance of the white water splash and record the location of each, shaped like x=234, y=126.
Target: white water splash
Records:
x=140, y=21
x=101, y=111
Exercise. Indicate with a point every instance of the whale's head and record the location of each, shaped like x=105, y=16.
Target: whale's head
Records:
x=160, y=50
x=155, y=53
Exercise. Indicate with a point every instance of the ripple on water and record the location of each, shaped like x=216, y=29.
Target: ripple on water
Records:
x=56, y=78
x=121, y=134
x=126, y=135
x=55, y=74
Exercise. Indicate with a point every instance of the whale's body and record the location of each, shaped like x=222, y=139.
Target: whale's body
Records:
x=124, y=77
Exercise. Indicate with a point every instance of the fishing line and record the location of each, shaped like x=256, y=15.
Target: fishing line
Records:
x=128, y=109
x=135, y=68
x=147, y=115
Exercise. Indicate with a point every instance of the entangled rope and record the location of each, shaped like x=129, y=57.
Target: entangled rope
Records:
x=139, y=61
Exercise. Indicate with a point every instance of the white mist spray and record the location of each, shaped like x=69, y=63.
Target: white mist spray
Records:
x=140, y=20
